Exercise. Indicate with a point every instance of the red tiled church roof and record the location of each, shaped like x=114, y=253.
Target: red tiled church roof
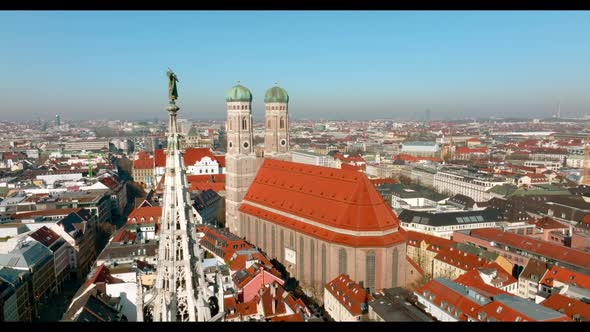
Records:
x=332, y=197
x=324, y=234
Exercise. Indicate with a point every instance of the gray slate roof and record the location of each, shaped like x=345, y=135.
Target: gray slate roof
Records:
x=448, y=218
x=531, y=309
x=26, y=257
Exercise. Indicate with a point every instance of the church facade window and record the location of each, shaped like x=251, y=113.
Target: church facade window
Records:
x=311, y=261
x=342, y=261
x=370, y=270
x=324, y=267
x=301, y=259
x=394, y=263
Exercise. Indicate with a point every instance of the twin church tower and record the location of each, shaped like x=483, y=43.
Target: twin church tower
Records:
x=242, y=161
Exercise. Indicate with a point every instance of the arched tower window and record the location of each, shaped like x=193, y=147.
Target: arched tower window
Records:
x=301, y=259
x=311, y=262
x=282, y=245
x=248, y=235
x=264, y=235
x=244, y=123
x=282, y=123
x=370, y=270
x=342, y=261
x=256, y=231
x=394, y=263
x=324, y=272
x=230, y=126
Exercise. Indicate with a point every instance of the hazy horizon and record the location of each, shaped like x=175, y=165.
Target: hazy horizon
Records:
x=337, y=65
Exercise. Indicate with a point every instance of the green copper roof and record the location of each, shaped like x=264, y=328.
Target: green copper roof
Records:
x=238, y=93
x=276, y=95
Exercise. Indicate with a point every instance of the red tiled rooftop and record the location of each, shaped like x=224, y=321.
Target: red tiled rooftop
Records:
x=472, y=279
x=220, y=160
x=573, y=308
x=415, y=238
x=333, y=197
x=466, y=150
x=560, y=253
x=149, y=214
x=549, y=223
x=324, y=234
x=194, y=155
x=45, y=235
x=208, y=178
x=350, y=294
x=565, y=276
x=143, y=163
x=415, y=265
x=461, y=304
x=459, y=259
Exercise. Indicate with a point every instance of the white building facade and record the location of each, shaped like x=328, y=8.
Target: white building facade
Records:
x=455, y=183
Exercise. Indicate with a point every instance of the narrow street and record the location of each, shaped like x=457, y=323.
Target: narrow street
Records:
x=53, y=310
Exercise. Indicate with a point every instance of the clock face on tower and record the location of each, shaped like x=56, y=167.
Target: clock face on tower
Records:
x=283, y=142
x=246, y=145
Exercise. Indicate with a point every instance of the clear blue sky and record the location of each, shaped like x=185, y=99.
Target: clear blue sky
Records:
x=341, y=64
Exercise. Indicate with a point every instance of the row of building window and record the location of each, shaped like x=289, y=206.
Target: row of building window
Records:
x=276, y=108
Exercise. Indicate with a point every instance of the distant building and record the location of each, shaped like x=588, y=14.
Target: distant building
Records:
x=519, y=249
x=530, y=277
x=143, y=170
x=449, y=301
x=421, y=149
x=411, y=196
x=443, y=224
x=38, y=260
x=312, y=158
x=16, y=296
x=466, y=183
x=87, y=145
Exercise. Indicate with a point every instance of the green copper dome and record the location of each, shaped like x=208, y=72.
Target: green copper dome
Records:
x=238, y=93
x=276, y=95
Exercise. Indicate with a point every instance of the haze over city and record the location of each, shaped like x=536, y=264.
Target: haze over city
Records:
x=335, y=65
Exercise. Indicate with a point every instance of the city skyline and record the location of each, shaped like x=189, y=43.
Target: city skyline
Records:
x=335, y=65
